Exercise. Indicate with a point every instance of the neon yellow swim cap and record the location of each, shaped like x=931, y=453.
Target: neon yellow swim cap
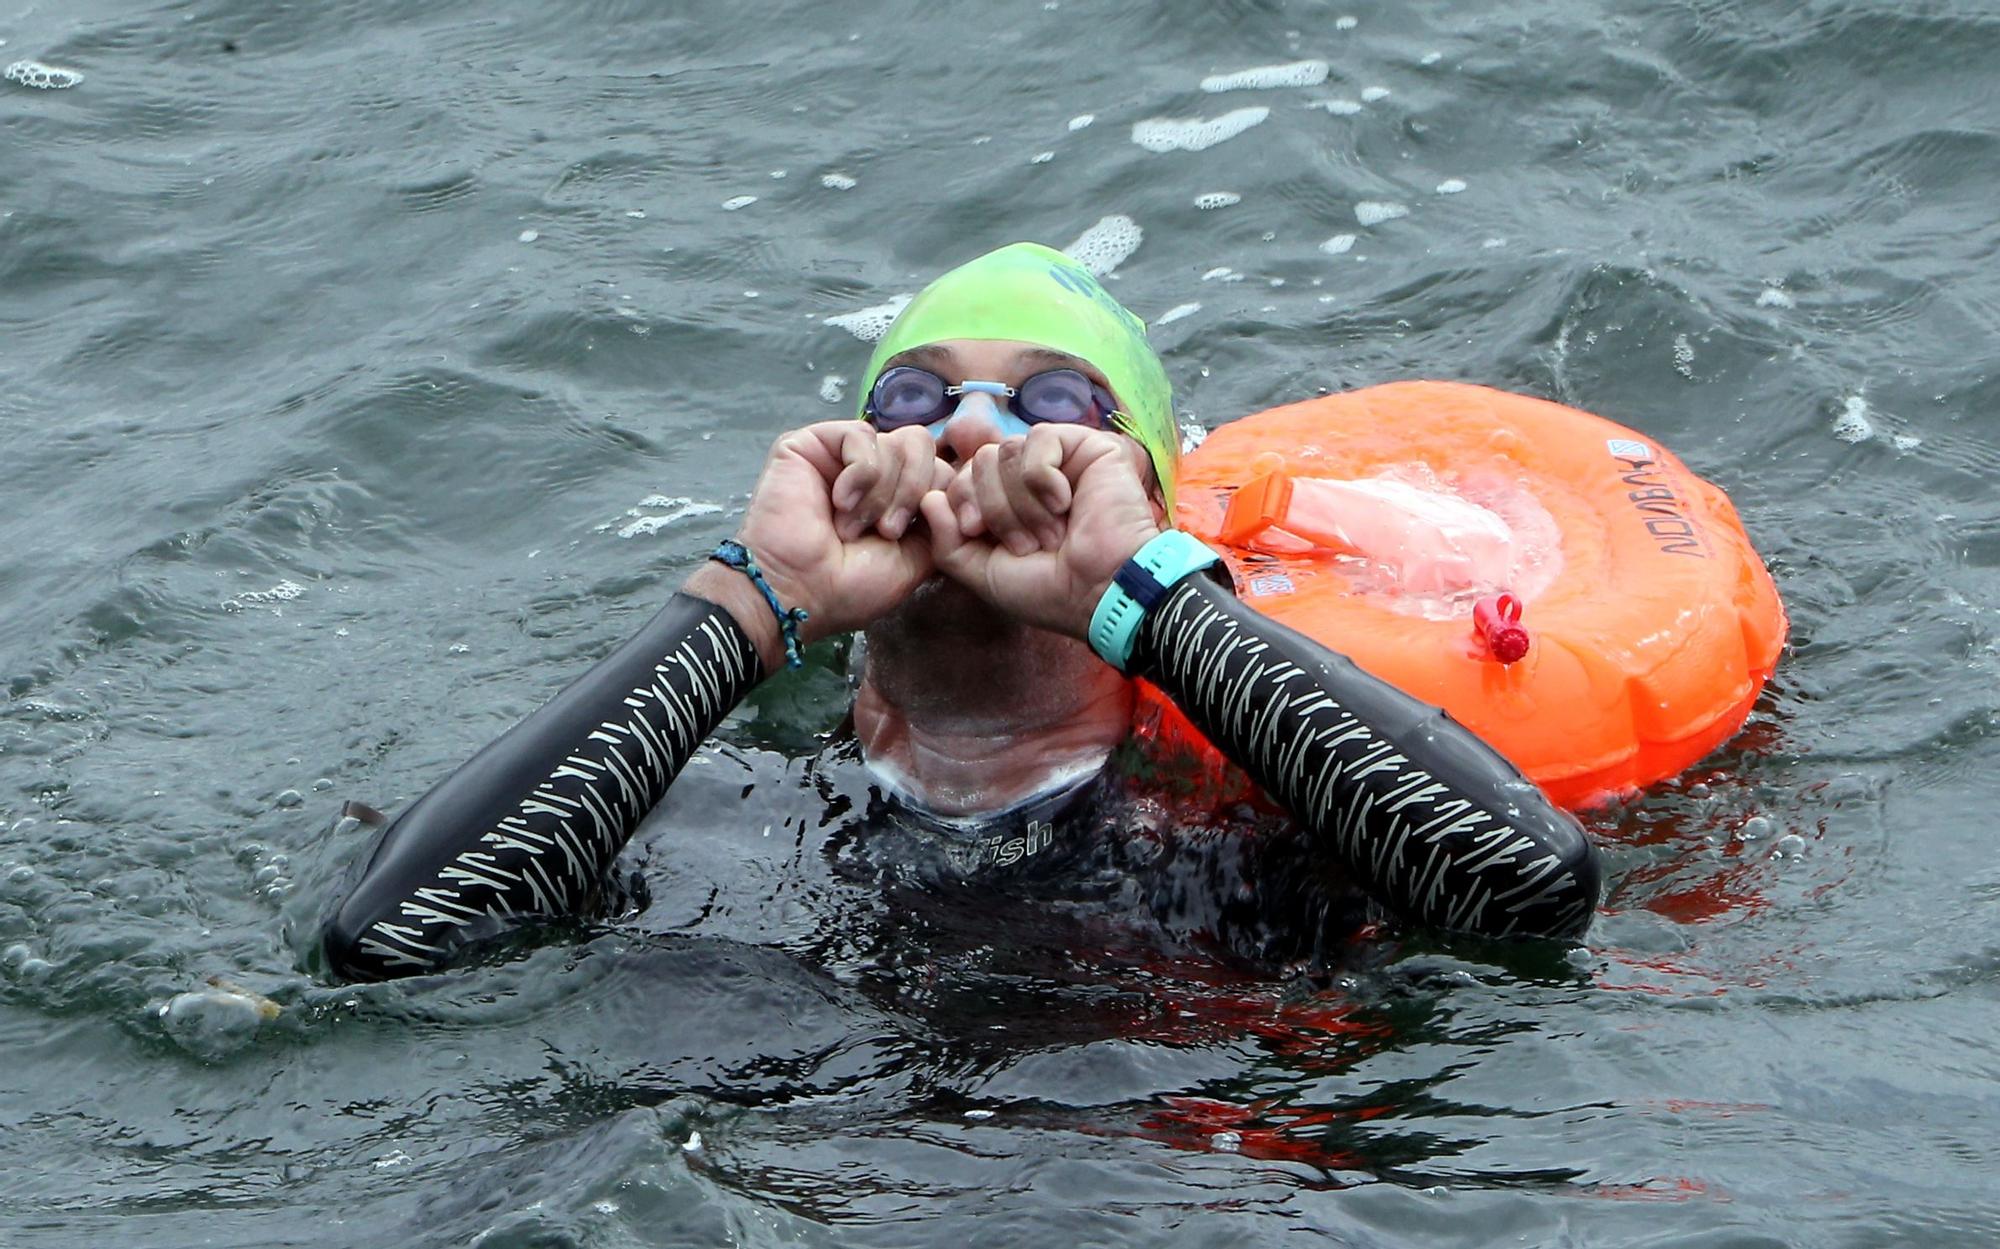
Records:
x=1028, y=293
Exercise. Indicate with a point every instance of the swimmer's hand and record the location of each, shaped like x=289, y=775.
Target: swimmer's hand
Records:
x=1038, y=525
x=830, y=523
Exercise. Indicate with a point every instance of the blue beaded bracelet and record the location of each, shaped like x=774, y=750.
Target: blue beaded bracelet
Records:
x=737, y=556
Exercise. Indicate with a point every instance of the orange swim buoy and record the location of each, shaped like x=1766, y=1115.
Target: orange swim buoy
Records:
x=1562, y=585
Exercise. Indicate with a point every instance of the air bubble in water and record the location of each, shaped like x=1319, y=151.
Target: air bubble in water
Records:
x=1853, y=425
x=42, y=77
x=1264, y=77
x=1106, y=245
x=1194, y=134
x=869, y=324
x=1375, y=212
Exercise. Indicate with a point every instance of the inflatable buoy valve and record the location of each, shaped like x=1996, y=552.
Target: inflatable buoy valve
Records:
x=1497, y=620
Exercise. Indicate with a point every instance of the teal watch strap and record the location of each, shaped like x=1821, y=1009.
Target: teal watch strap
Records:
x=1139, y=586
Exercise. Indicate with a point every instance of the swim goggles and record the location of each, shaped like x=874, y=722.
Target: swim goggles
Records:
x=906, y=395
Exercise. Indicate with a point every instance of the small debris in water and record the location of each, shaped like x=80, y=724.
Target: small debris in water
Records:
x=735, y=202
x=836, y=181
x=1371, y=95
x=979, y=1114
x=1338, y=244
x=1081, y=120
x=1375, y=212
x=1226, y=1143
x=693, y=1143
x=529, y=236
x=1451, y=186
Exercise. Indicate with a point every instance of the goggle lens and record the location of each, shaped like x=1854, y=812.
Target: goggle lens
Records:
x=906, y=396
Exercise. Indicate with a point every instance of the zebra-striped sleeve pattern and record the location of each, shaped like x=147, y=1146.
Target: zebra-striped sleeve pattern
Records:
x=1432, y=821
x=530, y=825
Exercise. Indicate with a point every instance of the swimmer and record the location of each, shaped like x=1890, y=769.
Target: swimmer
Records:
x=996, y=528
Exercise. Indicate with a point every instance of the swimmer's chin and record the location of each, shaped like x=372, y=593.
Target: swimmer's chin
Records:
x=940, y=601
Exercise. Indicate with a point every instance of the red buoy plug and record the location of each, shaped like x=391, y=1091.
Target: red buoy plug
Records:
x=1497, y=620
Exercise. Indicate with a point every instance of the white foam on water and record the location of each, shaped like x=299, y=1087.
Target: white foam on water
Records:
x=1494, y=242
x=1222, y=273
x=1041, y=158
x=1342, y=108
x=1194, y=134
x=1451, y=186
x=869, y=324
x=283, y=592
x=656, y=512
x=1216, y=199
x=43, y=77
x=1264, y=77
x=780, y=173
x=1339, y=244
x=1106, y=245
x=529, y=236
x=1683, y=356
x=1176, y=312
x=836, y=182
x=1346, y=21
x=735, y=202
x=637, y=214
x=1906, y=442
x=832, y=387
x=1081, y=120
x=1370, y=95
x=1853, y=425
x=1430, y=58
x=1772, y=297
x=1374, y=212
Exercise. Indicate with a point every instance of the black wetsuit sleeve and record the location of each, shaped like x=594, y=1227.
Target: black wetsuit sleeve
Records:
x=529, y=825
x=1434, y=823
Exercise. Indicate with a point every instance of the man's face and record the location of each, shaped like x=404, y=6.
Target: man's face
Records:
x=941, y=613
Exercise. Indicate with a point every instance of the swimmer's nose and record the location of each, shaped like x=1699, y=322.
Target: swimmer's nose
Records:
x=978, y=421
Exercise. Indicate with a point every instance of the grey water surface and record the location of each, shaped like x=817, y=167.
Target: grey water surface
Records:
x=367, y=370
